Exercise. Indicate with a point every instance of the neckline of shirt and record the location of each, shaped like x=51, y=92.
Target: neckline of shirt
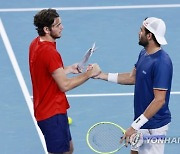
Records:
x=153, y=52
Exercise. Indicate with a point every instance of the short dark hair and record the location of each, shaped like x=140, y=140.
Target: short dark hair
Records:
x=44, y=18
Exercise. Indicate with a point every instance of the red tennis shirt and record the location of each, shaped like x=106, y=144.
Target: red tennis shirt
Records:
x=47, y=98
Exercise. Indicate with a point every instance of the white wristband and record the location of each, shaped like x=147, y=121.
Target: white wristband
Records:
x=113, y=77
x=139, y=122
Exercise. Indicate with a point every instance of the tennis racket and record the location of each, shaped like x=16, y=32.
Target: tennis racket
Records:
x=86, y=57
x=104, y=137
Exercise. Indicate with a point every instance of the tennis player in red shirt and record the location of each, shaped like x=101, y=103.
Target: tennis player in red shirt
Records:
x=49, y=82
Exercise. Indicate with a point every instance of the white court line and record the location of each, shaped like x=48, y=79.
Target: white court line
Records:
x=94, y=8
x=101, y=95
x=109, y=94
x=20, y=78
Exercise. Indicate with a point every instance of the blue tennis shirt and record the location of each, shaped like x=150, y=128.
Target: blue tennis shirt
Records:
x=153, y=71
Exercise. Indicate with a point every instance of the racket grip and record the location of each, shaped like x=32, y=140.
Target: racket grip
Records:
x=80, y=68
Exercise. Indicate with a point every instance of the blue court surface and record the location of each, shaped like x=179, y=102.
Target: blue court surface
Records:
x=114, y=26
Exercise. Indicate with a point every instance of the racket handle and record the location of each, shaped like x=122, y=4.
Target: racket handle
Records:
x=79, y=68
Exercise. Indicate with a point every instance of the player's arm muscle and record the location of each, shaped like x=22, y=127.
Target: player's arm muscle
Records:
x=66, y=84
x=122, y=78
x=156, y=104
x=127, y=78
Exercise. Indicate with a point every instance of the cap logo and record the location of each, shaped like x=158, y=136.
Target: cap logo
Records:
x=146, y=23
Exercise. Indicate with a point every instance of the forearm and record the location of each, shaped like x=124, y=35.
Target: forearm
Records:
x=150, y=111
x=65, y=84
x=153, y=108
x=122, y=78
x=73, y=82
x=126, y=79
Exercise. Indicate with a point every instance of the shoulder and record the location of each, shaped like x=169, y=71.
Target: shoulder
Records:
x=163, y=60
x=163, y=57
x=34, y=42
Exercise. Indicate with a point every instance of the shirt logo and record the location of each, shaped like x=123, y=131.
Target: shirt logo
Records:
x=144, y=72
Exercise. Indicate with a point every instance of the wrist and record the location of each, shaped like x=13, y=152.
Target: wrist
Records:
x=113, y=77
x=139, y=122
x=88, y=74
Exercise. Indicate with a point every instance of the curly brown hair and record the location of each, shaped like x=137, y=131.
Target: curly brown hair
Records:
x=44, y=18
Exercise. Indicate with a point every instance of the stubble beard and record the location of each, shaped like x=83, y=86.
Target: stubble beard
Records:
x=55, y=36
x=143, y=43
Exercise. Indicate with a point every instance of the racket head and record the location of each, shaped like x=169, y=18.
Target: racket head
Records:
x=104, y=137
x=86, y=57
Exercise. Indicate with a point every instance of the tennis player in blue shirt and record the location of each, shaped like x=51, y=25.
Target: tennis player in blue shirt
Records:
x=152, y=76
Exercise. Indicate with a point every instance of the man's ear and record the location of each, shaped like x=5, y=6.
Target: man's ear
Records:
x=149, y=36
x=46, y=30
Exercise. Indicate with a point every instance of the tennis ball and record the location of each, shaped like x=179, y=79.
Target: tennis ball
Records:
x=69, y=120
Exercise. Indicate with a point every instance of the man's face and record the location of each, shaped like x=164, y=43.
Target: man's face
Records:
x=143, y=37
x=56, y=28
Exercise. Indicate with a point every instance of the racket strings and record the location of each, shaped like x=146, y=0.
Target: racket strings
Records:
x=105, y=138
